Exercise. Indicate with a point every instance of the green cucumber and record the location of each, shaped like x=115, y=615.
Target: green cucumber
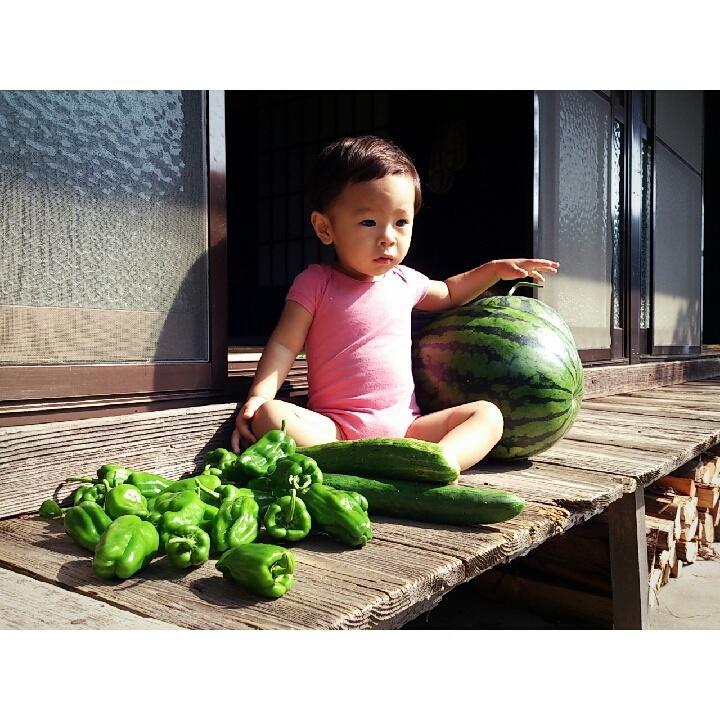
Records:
x=449, y=504
x=393, y=458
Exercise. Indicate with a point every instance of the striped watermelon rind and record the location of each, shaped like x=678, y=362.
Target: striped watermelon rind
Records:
x=513, y=351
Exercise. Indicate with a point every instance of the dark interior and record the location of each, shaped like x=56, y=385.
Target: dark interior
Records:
x=473, y=150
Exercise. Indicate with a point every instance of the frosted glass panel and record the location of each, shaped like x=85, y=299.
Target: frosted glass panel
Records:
x=679, y=123
x=677, y=252
x=575, y=150
x=103, y=227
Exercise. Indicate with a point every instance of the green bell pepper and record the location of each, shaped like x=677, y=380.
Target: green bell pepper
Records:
x=50, y=509
x=90, y=493
x=266, y=570
x=188, y=545
x=170, y=510
x=224, y=464
x=148, y=484
x=204, y=486
x=236, y=523
x=339, y=514
x=113, y=474
x=287, y=519
x=260, y=458
x=260, y=489
x=125, y=548
x=294, y=472
x=125, y=500
x=230, y=492
x=85, y=523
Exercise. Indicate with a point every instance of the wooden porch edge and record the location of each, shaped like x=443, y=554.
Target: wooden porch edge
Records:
x=614, y=380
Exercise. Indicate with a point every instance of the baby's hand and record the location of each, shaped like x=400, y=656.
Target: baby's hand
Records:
x=523, y=267
x=242, y=434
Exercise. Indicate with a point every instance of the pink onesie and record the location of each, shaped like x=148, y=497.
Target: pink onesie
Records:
x=358, y=348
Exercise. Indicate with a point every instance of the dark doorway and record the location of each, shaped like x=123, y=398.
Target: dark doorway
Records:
x=473, y=150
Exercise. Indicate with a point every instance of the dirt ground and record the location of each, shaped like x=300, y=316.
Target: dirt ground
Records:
x=691, y=601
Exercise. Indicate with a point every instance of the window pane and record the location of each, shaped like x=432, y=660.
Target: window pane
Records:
x=103, y=227
x=575, y=144
x=677, y=252
x=679, y=123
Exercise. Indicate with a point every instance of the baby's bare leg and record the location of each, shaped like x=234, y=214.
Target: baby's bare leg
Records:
x=304, y=426
x=466, y=432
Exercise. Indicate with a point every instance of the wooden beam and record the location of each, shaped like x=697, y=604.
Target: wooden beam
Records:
x=628, y=561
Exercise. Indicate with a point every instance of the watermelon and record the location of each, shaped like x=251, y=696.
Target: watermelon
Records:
x=516, y=352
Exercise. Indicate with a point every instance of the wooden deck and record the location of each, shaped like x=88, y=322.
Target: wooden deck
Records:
x=618, y=445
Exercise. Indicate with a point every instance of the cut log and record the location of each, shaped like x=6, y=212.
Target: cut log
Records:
x=663, y=564
x=709, y=472
x=687, y=551
x=688, y=533
x=715, y=480
x=666, y=574
x=715, y=512
x=663, y=559
x=664, y=508
x=681, y=485
x=676, y=568
x=660, y=533
x=708, y=496
x=655, y=579
x=706, y=528
x=688, y=508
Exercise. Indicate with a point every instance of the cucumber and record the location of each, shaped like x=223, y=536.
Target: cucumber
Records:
x=393, y=458
x=449, y=504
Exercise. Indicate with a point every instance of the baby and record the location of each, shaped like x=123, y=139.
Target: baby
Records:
x=353, y=317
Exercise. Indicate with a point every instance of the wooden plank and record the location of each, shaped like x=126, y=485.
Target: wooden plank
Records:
x=28, y=604
x=601, y=381
x=683, y=485
x=707, y=496
x=628, y=562
x=666, y=440
x=169, y=442
x=679, y=395
x=644, y=465
x=647, y=406
x=630, y=420
x=574, y=489
x=405, y=569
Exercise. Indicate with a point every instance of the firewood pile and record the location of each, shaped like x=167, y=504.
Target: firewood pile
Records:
x=682, y=513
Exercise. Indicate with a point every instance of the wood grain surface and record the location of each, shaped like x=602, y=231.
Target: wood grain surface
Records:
x=617, y=444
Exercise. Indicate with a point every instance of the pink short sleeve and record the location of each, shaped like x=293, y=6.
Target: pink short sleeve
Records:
x=309, y=286
x=418, y=283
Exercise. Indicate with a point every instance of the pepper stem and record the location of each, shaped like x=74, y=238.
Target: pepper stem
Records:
x=175, y=540
x=288, y=520
x=280, y=567
x=523, y=282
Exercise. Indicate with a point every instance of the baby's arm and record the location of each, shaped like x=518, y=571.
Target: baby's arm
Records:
x=459, y=289
x=286, y=341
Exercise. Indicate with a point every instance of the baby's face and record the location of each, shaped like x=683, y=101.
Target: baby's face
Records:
x=370, y=225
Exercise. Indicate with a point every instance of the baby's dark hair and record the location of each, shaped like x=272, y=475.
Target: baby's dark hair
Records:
x=358, y=159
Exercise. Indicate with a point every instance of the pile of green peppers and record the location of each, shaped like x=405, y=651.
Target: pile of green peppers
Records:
x=127, y=517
